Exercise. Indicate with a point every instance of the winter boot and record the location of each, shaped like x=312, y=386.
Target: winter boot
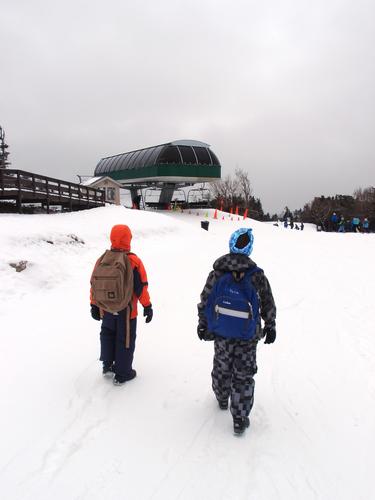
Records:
x=223, y=404
x=108, y=369
x=117, y=380
x=240, y=424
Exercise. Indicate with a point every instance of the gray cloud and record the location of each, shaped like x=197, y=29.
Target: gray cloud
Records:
x=284, y=89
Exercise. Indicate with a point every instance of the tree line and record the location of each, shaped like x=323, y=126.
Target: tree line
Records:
x=361, y=204
x=236, y=191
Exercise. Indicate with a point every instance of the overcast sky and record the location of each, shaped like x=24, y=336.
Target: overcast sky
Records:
x=281, y=88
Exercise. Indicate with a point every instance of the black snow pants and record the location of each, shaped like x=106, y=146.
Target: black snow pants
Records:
x=112, y=344
x=233, y=374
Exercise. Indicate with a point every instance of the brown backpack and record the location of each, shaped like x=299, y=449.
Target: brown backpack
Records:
x=112, y=281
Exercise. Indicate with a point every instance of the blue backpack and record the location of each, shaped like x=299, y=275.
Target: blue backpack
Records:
x=232, y=308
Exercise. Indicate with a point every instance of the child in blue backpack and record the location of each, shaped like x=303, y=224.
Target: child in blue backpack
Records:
x=236, y=298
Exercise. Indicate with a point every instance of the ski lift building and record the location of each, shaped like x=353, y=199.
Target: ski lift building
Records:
x=167, y=166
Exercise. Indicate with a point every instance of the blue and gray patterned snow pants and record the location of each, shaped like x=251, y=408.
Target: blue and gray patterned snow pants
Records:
x=233, y=372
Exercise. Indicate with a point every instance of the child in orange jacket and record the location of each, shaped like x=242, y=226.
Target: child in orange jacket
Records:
x=116, y=357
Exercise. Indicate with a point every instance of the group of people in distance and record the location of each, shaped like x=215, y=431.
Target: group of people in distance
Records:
x=289, y=222
x=339, y=224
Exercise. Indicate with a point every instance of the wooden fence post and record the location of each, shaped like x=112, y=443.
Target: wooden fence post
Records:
x=70, y=198
x=47, y=191
x=19, y=194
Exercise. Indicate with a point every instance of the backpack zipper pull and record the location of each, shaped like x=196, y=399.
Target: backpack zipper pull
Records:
x=251, y=315
x=217, y=311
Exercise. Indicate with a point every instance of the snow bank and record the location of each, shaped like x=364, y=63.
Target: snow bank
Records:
x=67, y=433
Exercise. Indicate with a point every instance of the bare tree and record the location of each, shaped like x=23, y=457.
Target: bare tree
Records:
x=320, y=208
x=244, y=185
x=231, y=186
x=219, y=190
x=366, y=194
x=226, y=190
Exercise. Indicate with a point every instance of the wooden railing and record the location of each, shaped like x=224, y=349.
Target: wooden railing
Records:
x=26, y=182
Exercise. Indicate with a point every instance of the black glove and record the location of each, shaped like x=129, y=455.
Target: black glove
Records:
x=148, y=312
x=203, y=333
x=270, y=334
x=95, y=312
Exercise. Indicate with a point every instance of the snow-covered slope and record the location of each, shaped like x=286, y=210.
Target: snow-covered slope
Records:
x=69, y=434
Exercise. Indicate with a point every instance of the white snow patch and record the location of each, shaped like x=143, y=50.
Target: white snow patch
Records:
x=69, y=434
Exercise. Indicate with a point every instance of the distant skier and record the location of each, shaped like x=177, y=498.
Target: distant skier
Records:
x=118, y=282
x=234, y=299
x=355, y=224
x=334, y=221
x=342, y=223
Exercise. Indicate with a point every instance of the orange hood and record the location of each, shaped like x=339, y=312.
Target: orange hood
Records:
x=121, y=237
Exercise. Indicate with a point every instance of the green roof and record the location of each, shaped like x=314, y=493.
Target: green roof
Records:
x=176, y=161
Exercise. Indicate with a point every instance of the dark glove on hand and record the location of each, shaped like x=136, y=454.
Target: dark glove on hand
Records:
x=95, y=312
x=148, y=312
x=202, y=331
x=270, y=334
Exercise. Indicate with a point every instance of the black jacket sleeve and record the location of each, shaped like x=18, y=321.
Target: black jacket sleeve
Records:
x=267, y=302
x=138, y=285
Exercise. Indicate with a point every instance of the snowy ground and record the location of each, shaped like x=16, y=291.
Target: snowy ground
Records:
x=68, y=434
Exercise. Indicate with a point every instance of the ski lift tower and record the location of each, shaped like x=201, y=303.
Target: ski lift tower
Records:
x=167, y=167
x=3, y=150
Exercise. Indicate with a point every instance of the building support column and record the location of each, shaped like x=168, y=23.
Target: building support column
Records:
x=166, y=194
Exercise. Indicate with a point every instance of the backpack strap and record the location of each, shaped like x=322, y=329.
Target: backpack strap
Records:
x=238, y=275
x=127, y=327
x=253, y=270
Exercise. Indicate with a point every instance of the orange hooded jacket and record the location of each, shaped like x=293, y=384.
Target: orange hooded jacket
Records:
x=121, y=240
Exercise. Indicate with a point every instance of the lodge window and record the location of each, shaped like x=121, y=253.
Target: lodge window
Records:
x=110, y=194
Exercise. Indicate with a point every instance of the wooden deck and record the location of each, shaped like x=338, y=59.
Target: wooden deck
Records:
x=26, y=187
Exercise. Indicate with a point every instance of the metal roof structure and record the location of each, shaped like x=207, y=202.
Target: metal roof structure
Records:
x=179, y=163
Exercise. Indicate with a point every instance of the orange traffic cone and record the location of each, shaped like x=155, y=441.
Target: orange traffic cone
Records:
x=215, y=214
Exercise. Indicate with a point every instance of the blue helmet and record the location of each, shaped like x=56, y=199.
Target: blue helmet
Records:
x=242, y=241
